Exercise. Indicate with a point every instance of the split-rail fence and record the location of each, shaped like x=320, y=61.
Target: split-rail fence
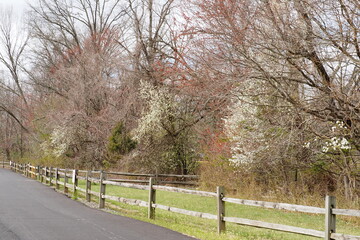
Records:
x=56, y=177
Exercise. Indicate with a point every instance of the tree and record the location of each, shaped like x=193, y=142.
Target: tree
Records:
x=179, y=94
x=79, y=72
x=62, y=31
x=120, y=142
x=14, y=99
x=166, y=131
x=305, y=53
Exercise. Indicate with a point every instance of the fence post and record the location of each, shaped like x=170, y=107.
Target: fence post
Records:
x=27, y=169
x=152, y=198
x=75, y=183
x=221, y=209
x=51, y=175
x=66, y=189
x=41, y=174
x=57, y=178
x=330, y=218
x=46, y=175
x=38, y=173
x=88, y=186
x=102, y=190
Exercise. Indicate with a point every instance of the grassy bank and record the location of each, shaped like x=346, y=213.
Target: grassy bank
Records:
x=206, y=229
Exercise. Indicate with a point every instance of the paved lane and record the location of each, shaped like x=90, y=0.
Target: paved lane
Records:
x=31, y=211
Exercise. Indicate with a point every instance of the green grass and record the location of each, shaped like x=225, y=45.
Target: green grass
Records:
x=206, y=229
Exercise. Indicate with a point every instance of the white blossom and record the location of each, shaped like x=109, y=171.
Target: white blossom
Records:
x=240, y=128
x=306, y=145
x=161, y=104
x=336, y=143
x=325, y=149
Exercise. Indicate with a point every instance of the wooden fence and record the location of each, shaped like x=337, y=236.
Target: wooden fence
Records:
x=53, y=176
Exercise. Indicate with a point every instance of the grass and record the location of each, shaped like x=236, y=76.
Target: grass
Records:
x=207, y=229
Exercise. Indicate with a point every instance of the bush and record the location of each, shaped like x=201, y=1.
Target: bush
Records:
x=120, y=141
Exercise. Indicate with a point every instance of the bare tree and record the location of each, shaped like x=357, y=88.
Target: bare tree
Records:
x=13, y=44
x=150, y=33
x=78, y=63
x=61, y=30
x=305, y=53
x=14, y=93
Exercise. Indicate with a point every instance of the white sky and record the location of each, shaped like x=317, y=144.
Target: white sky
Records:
x=18, y=6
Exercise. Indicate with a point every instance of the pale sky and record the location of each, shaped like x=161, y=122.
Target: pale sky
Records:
x=18, y=6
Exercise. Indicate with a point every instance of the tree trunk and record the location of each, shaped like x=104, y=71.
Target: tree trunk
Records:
x=8, y=156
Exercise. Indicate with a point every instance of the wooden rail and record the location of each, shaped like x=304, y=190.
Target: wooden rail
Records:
x=189, y=180
x=182, y=190
x=56, y=177
x=281, y=206
x=273, y=226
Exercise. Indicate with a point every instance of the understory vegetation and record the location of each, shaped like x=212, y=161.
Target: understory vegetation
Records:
x=262, y=97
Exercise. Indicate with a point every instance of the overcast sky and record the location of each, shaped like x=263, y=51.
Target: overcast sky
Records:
x=18, y=5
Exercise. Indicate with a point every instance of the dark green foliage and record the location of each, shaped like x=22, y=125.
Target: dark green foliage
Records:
x=120, y=141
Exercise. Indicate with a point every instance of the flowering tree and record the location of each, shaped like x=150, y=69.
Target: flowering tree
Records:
x=166, y=131
x=78, y=73
x=305, y=54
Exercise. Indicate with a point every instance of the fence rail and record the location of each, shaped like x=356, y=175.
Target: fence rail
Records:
x=53, y=177
x=273, y=205
x=274, y=226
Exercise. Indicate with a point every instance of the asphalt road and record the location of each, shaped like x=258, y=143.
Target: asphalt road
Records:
x=31, y=211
